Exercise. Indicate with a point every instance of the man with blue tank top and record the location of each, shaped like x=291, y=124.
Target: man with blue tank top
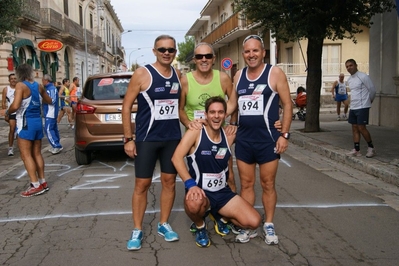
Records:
x=29, y=127
x=260, y=87
x=208, y=153
x=156, y=87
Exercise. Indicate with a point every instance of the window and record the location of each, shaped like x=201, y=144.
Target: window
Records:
x=66, y=12
x=213, y=26
x=22, y=56
x=331, y=63
x=290, y=60
x=223, y=17
x=81, y=15
x=91, y=21
x=66, y=64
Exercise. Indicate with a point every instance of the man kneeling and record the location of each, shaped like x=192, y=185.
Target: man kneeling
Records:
x=205, y=179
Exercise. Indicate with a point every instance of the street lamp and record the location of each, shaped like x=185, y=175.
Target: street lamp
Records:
x=135, y=50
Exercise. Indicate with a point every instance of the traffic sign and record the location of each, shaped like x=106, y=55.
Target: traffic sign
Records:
x=227, y=63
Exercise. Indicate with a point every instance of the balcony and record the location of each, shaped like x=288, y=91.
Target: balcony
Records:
x=232, y=28
x=72, y=30
x=51, y=20
x=30, y=13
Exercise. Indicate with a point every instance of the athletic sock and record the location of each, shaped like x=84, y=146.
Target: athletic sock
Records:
x=42, y=180
x=370, y=144
x=357, y=146
x=36, y=184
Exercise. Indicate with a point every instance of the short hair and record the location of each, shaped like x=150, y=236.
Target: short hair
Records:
x=351, y=61
x=215, y=99
x=204, y=43
x=300, y=89
x=47, y=77
x=163, y=37
x=24, y=72
x=9, y=76
x=65, y=81
x=74, y=79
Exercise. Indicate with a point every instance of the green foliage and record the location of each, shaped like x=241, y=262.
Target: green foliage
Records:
x=185, y=49
x=293, y=20
x=10, y=11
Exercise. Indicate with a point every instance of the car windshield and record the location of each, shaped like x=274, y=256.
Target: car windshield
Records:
x=107, y=88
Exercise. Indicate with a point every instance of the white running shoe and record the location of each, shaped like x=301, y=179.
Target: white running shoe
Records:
x=270, y=234
x=245, y=235
x=370, y=152
x=10, y=151
x=354, y=153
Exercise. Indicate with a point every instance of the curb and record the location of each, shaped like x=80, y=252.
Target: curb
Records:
x=384, y=171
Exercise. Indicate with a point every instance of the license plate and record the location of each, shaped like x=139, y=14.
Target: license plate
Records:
x=117, y=117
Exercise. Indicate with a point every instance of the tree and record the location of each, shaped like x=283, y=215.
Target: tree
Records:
x=10, y=11
x=314, y=20
x=185, y=49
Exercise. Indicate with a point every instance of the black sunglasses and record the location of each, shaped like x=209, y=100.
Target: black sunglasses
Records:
x=163, y=50
x=256, y=37
x=200, y=56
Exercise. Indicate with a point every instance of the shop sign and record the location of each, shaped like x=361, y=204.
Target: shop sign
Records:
x=50, y=45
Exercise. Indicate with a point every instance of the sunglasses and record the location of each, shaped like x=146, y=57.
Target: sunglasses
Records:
x=200, y=56
x=163, y=50
x=256, y=37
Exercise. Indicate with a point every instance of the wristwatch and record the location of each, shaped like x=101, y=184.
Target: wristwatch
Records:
x=126, y=140
x=285, y=135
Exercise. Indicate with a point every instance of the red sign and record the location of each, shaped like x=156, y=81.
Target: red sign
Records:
x=10, y=64
x=50, y=45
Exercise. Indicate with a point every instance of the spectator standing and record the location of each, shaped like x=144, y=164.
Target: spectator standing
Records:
x=50, y=115
x=340, y=95
x=7, y=99
x=260, y=87
x=157, y=90
x=362, y=96
x=205, y=181
x=29, y=126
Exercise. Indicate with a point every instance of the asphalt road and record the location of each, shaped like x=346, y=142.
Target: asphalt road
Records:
x=327, y=214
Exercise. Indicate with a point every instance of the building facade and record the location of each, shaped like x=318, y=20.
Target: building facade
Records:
x=89, y=30
x=220, y=25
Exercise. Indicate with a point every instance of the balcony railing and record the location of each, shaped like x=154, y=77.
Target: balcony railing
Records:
x=52, y=19
x=73, y=29
x=327, y=69
x=227, y=26
x=31, y=10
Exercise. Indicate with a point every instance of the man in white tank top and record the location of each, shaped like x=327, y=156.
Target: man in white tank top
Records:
x=7, y=99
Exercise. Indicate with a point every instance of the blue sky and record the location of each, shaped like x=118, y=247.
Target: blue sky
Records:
x=150, y=18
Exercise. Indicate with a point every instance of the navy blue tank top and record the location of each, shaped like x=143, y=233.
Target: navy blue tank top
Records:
x=158, y=110
x=208, y=164
x=258, y=107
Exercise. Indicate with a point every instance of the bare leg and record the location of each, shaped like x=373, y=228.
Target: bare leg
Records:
x=11, y=133
x=365, y=133
x=168, y=193
x=269, y=195
x=139, y=201
x=26, y=150
x=38, y=158
x=247, y=180
x=355, y=133
x=338, y=108
x=231, y=181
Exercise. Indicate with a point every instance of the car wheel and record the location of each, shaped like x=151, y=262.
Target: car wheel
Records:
x=82, y=157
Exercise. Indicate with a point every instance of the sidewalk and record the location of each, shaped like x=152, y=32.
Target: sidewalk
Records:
x=335, y=140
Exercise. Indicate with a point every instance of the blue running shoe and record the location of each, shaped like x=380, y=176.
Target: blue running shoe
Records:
x=221, y=227
x=201, y=238
x=193, y=228
x=166, y=231
x=134, y=243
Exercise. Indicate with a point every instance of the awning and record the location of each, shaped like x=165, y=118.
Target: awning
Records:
x=24, y=42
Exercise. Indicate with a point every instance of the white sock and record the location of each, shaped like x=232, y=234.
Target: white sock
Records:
x=36, y=184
